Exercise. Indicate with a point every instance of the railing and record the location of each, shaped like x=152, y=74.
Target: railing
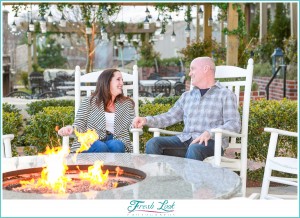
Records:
x=273, y=77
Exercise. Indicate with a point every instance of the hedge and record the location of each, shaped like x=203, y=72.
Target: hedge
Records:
x=38, y=106
x=40, y=131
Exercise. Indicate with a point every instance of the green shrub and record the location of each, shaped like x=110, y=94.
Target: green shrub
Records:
x=170, y=62
x=166, y=100
x=274, y=114
x=150, y=109
x=10, y=108
x=40, y=131
x=38, y=106
x=12, y=123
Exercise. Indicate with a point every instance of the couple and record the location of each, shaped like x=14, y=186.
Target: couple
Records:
x=208, y=105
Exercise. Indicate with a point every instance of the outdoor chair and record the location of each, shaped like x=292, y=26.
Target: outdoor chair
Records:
x=36, y=82
x=83, y=84
x=179, y=88
x=162, y=86
x=236, y=79
x=6, y=145
x=281, y=164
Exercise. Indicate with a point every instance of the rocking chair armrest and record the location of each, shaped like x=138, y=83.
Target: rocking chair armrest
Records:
x=227, y=133
x=163, y=131
x=281, y=132
x=136, y=139
x=133, y=130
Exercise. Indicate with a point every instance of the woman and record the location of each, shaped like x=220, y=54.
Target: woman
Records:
x=108, y=112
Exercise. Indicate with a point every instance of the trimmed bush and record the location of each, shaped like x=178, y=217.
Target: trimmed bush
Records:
x=38, y=106
x=150, y=109
x=40, y=131
x=12, y=123
x=274, y=114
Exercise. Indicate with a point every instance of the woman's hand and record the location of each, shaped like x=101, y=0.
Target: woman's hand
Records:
x=65, y=131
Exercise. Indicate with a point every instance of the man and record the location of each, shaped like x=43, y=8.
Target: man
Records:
x=207, y=106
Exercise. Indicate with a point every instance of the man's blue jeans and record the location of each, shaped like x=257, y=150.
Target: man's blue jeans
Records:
x=107, y=145
x=195, y=151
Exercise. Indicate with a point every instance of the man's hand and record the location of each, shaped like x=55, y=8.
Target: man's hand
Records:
x=204, y=137
x=139, y=122
x=65, y=131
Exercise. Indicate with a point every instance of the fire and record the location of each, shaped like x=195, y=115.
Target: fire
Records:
x=86, y=139
x=53, y=174
x=95, y=174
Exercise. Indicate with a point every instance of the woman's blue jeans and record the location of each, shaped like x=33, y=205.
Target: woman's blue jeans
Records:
x=195, y=151
x=107, y=145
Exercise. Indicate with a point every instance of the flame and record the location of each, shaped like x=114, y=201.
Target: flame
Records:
x=119, y=171
x=86, y=139
x=53, y=174
x=95, y=174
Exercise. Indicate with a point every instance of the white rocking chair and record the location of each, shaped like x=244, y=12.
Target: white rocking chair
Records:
x=6, y=145
x=244, y=76
x=80, y=85
x=282, y=164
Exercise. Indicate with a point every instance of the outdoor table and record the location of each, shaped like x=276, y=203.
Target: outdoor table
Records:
x=149, y=84
x=167, y=177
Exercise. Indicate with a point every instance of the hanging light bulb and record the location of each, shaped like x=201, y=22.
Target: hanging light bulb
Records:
x=14, y=27
x=200, y=12
x=122, y=35
x=170, y=20
x=157, y=23
x=16, y=16
x=210, y=21
x=173, y=36
x=63, y=21
x=146, y=23
x=147, y=11
x=50, y=17
x=31, y=26
x=43, y=24
x=104, y=34
x=162, y=34
x=187, y=30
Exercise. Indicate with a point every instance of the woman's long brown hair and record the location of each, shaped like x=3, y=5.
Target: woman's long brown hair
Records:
x=102, y=92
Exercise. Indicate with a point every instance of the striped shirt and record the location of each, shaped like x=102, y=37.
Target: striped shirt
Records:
x=216, y=109
x=90, y=116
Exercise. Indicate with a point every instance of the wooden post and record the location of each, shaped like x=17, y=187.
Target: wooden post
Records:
x=29, y=67
x=263, y=21
x=197, y=25
x=33, y=35
x=207, y=29
x=294, y=20
x=232, y=40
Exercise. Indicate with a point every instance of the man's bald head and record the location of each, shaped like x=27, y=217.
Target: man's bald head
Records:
x=202, y=72
x=204, y=61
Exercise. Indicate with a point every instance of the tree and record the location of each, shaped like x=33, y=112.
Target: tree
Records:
x=50, y=56
x=280, y=28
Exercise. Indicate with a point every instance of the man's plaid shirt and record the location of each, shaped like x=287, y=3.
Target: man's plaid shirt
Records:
x=216, y=109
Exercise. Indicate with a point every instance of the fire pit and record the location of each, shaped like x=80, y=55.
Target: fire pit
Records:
x=147, y=177
x=129, y=176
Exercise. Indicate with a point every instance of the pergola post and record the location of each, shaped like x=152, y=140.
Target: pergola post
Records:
x=232, y=40
x=207, y=30
x=294, y=20
x=263, y=21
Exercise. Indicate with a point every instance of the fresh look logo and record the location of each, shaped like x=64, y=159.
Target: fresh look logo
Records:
x=160, y=207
